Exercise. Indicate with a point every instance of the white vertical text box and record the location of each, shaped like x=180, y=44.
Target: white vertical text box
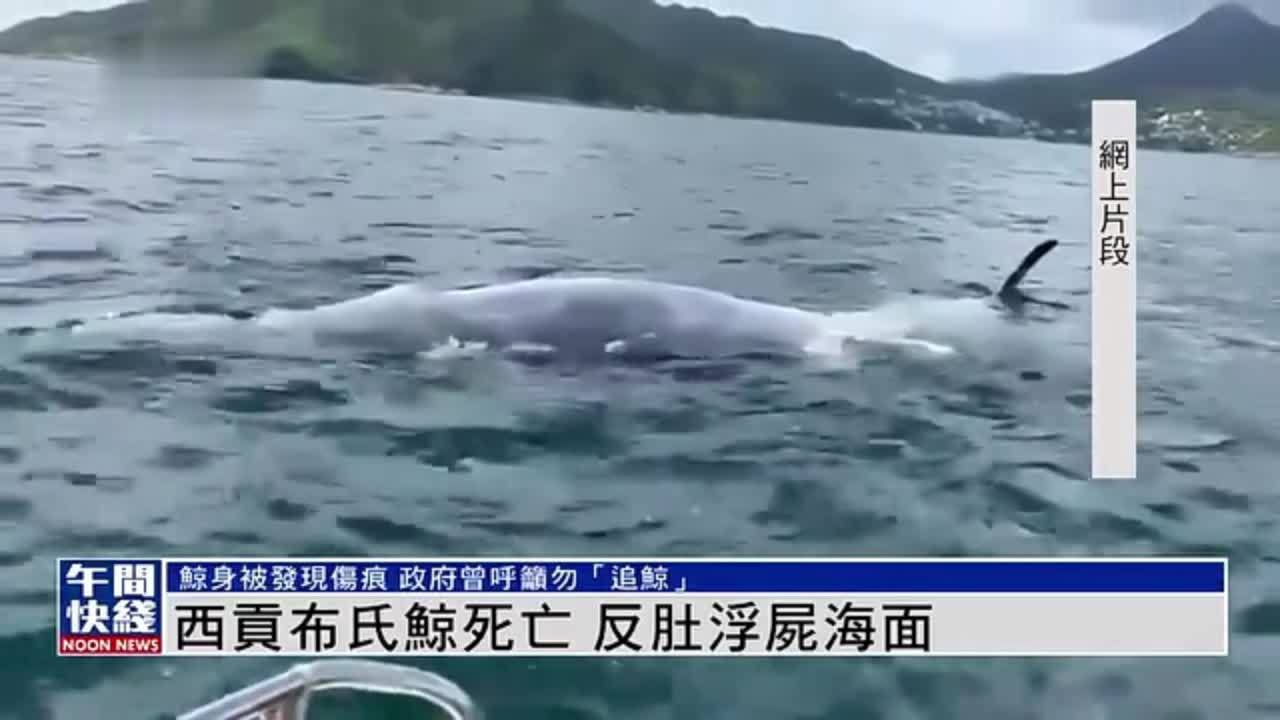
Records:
x=1113, y=157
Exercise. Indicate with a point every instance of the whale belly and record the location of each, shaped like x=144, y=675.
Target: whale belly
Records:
x=608, y=316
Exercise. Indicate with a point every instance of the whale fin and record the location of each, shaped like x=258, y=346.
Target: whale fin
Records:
x=1009, y=294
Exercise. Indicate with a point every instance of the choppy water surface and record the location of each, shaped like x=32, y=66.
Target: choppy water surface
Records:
x=120, y=196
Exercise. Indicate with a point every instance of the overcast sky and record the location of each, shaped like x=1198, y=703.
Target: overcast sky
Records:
x=942, y=38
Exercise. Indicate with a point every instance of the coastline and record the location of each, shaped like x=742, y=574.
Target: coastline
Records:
x=1061, y=138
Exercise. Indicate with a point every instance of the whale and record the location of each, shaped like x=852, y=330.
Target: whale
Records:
x=599, y=318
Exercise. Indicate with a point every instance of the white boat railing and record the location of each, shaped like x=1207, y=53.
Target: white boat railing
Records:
x=285, y=696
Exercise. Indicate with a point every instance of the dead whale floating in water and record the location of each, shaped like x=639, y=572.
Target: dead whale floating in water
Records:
x=603, y=317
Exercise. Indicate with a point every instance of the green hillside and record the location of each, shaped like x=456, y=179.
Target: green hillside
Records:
x=486, y=47
x=507, y=47
x=640, y=53
x=776, y=57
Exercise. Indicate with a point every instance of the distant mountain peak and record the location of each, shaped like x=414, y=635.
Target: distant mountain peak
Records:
x=1231, y=12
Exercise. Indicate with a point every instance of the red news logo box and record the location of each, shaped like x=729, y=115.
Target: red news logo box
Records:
x=109, y=607
x=109, y=645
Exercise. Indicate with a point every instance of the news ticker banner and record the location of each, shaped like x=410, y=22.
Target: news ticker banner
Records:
x=1113, y=157
x=642, y=607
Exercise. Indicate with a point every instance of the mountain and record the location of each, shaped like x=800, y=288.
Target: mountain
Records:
x=772, y=72
x=641, y=53
x=700, y=36
x=1226, y=51
x=603, y=51
x=1227, y=48
x=513, y=47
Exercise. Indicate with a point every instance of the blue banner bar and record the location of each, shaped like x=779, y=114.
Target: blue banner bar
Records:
x=213, y=575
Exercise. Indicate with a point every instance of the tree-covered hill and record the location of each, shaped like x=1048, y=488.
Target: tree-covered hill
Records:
x=642, y=53
x=488, y=47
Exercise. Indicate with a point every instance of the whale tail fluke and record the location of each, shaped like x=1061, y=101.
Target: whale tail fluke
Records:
x=1010, y=295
